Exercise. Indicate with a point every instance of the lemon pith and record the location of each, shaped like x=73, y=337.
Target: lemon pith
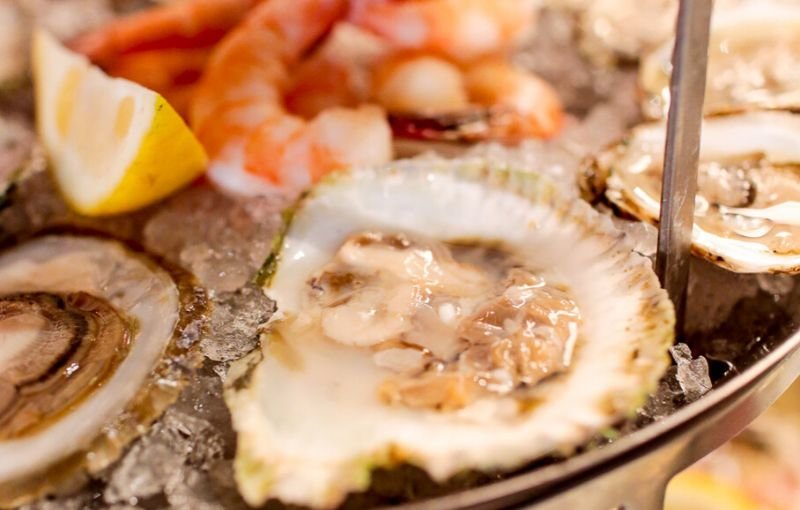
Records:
x=151, y=167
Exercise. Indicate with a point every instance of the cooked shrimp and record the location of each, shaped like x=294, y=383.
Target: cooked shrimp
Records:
x=525, y=105
x=184, y=24
x=454, y=84
x=488, y=99
x=462, y=30
x=338, y=73
x=239, y=115
x=292, y=153
x=170, y=72
x=164, y=48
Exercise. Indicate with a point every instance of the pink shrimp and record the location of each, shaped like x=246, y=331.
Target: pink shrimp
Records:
x=447, y=78
x=524, y=105
x=430, y=98
x=337, y=73
x=171, y=73
x=427, y=96
x=164, y=48
x=461, y=30
x=239, y=115
x=184, y=24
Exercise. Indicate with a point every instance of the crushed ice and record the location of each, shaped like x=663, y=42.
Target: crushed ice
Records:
x=235, y=324
x=685, y=382
x=692, y=373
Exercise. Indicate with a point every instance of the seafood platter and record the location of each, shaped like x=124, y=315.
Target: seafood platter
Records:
x=382, y=253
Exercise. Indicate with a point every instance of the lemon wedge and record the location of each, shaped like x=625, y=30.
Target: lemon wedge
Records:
x=697, y=490
x=114, y=146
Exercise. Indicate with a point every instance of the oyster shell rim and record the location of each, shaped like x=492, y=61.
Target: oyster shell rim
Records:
x=70, y=472
x=255, y=475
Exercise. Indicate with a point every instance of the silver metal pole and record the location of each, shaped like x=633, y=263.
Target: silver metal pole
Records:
x=679, y=185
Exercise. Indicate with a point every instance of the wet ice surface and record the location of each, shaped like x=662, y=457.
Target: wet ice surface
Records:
x=185, y=460
x=221, y=240
x=235, y=321
x=554, y=55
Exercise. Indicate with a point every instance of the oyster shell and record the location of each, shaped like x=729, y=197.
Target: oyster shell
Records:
x=450, y=315
x=622, y=30
x=88, y=358
x=753, y=61
x=747, y=212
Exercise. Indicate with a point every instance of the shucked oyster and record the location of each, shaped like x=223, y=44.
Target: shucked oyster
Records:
x=753, y=60
x=85, y=326
x=613, y=30
x=444, y=314
x=747, y=212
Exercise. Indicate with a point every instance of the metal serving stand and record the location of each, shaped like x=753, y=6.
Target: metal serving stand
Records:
x=633, y=472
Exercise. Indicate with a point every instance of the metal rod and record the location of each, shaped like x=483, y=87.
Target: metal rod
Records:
x=679, y=185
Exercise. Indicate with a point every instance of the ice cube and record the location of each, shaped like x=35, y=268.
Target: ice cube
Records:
x=663, y=402
x=235, y=324
x=776, y=284
x=143, y=472
x=195, y=489
x=691, y=373
x=221, y=240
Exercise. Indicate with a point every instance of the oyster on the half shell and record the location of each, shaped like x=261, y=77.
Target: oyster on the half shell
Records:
x=449, y=315
x=753, y=60
x=621, y=30
x=747, y=211
x=88, y=357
